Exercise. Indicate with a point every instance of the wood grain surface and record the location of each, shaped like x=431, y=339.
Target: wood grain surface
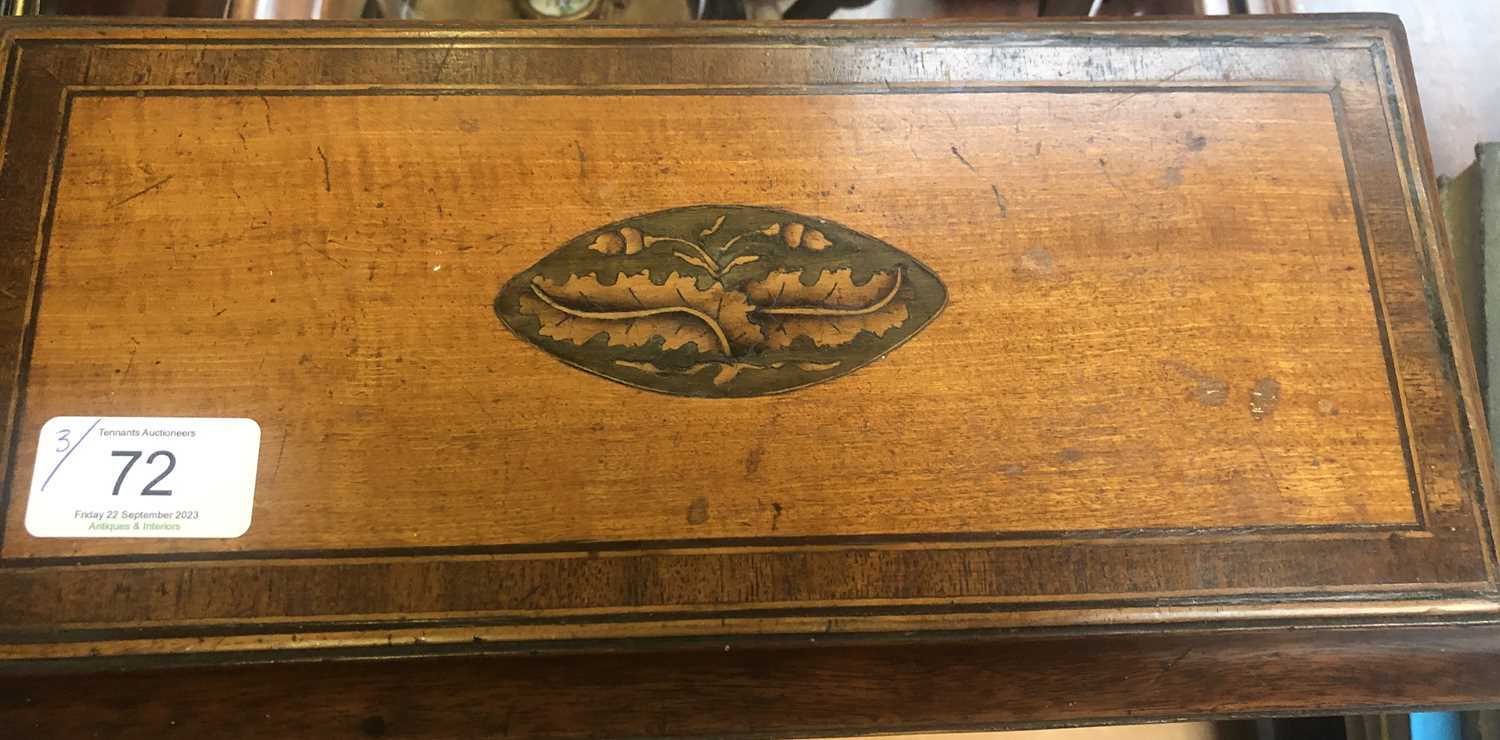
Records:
x=808, y=692
x=1201, y=365
x=1133, y=335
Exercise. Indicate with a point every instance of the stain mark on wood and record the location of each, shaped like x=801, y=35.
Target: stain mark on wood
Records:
x=1036, y=261
x=1264, y=398
x=1000, y=201
x=373, y=726
x=1338, y=208
x=1207, y=389
x=697, y=512
x=752, y=460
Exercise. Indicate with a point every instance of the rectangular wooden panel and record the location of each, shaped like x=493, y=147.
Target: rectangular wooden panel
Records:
x=1145, y=426
x=966, y=327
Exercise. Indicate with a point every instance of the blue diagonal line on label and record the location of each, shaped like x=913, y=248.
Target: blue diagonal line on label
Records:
x=67, y=454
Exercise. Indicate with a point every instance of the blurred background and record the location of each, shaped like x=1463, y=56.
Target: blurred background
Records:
x=1453, y=41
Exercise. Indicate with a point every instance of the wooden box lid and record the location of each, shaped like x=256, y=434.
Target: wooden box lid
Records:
x=566, y=334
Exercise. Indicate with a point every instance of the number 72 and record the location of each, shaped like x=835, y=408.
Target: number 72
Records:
x=150, y=489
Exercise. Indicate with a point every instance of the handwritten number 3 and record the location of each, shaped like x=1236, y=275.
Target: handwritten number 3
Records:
x=62, y=437
x=150, y=489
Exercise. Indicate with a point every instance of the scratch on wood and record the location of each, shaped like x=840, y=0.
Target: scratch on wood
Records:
x=279, y=452
x=1171, y=664
x=327, y=181
x=443, y=65
x=1208, y=390
x=525, y=601
x=483, y=408
x=142, y=191
x=323, y=251
x=1127, y=96
x=1104, y=167
x=956, y=153
x=582, y=161
x=267, y=103
x=1266, y=466
x=1000, y=201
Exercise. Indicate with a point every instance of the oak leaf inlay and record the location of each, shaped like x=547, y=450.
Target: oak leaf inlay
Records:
x=721, y=301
